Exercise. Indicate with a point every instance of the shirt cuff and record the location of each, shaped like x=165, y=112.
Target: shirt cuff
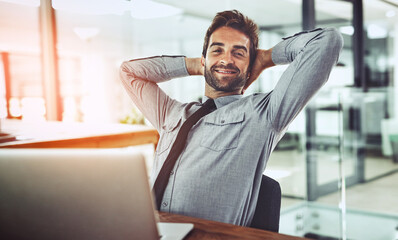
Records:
x=278, y=53
x=175, y=66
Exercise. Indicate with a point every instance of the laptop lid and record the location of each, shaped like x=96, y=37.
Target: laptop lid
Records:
x=75, y=194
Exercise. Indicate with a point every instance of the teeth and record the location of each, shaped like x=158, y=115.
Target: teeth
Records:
x=225, y=71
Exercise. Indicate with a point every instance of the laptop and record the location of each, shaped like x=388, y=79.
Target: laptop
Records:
x=78, y=194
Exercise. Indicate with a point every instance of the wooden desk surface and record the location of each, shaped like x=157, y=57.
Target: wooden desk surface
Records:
x=76, y=135
x=205, y=229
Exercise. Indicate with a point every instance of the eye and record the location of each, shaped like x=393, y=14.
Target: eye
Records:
x=239, y=54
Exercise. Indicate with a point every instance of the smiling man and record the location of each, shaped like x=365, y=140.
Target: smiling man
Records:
x=210, y=166
x=226, y=69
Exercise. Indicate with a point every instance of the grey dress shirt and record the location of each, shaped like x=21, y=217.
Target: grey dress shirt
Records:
x=218, y=174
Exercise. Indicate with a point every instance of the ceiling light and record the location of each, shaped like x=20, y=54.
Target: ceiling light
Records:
x=146, y=9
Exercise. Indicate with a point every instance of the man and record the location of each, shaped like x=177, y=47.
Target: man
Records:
x=218, y=173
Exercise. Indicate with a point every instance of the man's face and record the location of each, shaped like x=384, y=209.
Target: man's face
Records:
x=227, y=60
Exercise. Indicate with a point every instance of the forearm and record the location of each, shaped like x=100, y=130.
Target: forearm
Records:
x=194, y=66
x=139, y=77
x=265, y=57
x=154, y=69
x=262, y=62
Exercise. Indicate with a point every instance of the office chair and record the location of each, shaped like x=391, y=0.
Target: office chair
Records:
x=268, y=209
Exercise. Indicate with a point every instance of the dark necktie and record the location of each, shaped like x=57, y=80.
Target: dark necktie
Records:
x=179, y=144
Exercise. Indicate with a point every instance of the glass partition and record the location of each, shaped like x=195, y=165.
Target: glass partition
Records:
x=351, y=168
x=381, y=100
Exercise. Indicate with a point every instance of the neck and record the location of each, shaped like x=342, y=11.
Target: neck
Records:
x=212, y=93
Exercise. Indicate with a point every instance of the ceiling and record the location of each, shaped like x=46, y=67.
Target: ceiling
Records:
x=19, y=24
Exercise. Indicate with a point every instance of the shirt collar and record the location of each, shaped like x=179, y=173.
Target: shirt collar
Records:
x=222, y=101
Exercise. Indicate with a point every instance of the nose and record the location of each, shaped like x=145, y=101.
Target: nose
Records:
x=227, y=59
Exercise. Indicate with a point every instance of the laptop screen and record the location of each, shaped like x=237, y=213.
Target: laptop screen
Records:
x=75, y=194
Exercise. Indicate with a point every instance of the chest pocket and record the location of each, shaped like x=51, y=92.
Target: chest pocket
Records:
x=169, y=132
x=222, y=133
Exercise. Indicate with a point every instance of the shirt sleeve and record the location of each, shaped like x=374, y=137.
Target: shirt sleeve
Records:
x=140, y=78
x=311, y=56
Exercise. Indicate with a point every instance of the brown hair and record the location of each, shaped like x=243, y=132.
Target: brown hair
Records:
x=236, y=20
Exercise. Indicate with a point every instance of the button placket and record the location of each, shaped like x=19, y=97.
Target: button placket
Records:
x=165, y=204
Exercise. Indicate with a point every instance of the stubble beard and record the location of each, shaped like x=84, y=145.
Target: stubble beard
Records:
x=234, y=83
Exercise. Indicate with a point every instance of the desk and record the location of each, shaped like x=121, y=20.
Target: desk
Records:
x=205, y=229
x=76, y=135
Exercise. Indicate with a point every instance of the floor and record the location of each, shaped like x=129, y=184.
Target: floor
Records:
x=378, y=194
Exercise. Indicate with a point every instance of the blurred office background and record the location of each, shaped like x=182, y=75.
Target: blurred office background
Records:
x=337, y=164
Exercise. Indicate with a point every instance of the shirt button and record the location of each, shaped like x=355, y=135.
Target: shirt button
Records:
x=172, y=172
x=165, y=204
x=222, y=121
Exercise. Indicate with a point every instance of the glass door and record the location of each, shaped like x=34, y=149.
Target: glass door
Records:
x=334, y=141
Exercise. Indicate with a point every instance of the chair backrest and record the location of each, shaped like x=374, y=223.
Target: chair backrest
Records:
x=268, y=207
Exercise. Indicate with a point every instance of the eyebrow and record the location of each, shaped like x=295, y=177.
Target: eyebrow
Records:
x=222, y=44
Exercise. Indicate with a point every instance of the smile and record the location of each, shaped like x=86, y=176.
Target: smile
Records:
x=225, y=71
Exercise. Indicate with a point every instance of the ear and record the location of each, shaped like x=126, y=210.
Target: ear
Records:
x=202, y=61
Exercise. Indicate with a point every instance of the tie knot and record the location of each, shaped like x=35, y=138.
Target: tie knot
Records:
x=209, y=104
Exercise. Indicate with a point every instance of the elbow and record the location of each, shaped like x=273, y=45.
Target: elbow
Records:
x=332, y=43
x=124, y=68
x=124, y=73
x=334, y=39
